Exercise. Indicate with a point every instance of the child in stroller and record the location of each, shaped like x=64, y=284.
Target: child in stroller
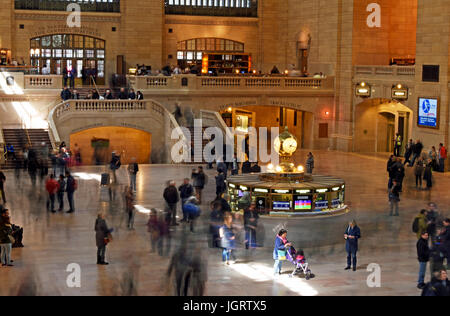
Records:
x=299, y=261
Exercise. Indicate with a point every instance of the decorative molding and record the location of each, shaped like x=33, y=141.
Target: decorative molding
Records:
x=64, y=29
x=212, y=21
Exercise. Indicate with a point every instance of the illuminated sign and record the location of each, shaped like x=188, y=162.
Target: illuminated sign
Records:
x=428, y=113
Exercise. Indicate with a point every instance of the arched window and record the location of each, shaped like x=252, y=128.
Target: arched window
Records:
x=192, y=50
x=85, y=53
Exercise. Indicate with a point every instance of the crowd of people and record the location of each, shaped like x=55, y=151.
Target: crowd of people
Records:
x=424, y=164
x=93, y=94
x=433, y=246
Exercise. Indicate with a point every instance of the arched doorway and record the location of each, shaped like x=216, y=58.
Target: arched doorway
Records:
x=85, y=53
x=96, y=144
x=376, y=123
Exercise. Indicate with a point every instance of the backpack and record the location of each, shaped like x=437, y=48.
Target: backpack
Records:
x=415, y=225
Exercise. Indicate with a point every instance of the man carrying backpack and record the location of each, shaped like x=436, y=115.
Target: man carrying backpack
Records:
x=420, y=224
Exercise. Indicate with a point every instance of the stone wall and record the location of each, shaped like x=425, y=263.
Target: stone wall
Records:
x=396, y=36
x=6, y=24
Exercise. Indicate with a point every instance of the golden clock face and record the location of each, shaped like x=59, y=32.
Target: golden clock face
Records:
x=277, y=145
x=290, y=146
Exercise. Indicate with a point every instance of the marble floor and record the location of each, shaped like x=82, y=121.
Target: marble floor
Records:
x=54, y=241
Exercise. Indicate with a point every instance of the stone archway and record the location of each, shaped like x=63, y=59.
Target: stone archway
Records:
x=376, y=123
x=129, y=142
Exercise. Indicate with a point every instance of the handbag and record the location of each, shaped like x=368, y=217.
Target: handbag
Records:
x=281, y=254
x=108, y=239
x=12, y=239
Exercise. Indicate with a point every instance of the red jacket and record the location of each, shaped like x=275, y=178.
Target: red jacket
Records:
x=52, y=186
x=443, y=153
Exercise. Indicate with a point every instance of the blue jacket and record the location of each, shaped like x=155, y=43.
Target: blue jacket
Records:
x=279, y=245
x=351, y=245
x=227, y=242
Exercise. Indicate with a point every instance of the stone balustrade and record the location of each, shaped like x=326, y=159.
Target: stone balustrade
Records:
x=43, y=82
x=97, y=106
x=202, y=83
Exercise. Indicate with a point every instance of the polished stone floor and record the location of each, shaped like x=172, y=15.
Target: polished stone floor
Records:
x=53, y=241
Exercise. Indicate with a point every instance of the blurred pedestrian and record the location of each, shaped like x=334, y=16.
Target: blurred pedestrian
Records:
x=61, y=189
x=171, y=197
x=220, y=183
x=418, y=171
x=52, y=187
x=227, y=238
x=310, y=163
x=133, y=169
x=442, y=157
x=250, y=224
x=428, y=174
x=216, y=221
x=153, y=229
x=186, y=191
x=129, y=206
x=102, y=237
x=394, y=198
x=2, y=186
x=200, y=180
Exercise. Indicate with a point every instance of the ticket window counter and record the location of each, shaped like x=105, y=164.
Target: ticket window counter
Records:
x=282, y=201
x=321, y=200
x=337, y=199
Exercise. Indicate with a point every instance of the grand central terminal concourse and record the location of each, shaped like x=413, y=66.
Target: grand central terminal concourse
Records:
x=224, y=148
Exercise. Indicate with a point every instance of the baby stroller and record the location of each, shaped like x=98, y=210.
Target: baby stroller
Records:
x=299, y=261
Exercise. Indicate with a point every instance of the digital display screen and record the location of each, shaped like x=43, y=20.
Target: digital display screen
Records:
x=240, y=193
x=283, y=206
x=321, y=205
x=335, y=202
x=428, y=112
x=303, y=205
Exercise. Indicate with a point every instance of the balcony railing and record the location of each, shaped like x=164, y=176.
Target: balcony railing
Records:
x=247, y=8
x=43, y=82
x=232, y=83
x=61, y=5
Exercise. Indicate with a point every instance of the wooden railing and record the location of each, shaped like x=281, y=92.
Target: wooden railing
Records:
x=202, y=83
x=43, y=82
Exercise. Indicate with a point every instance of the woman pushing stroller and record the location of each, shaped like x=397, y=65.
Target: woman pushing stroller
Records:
x=285, y=251
x=279, y=251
